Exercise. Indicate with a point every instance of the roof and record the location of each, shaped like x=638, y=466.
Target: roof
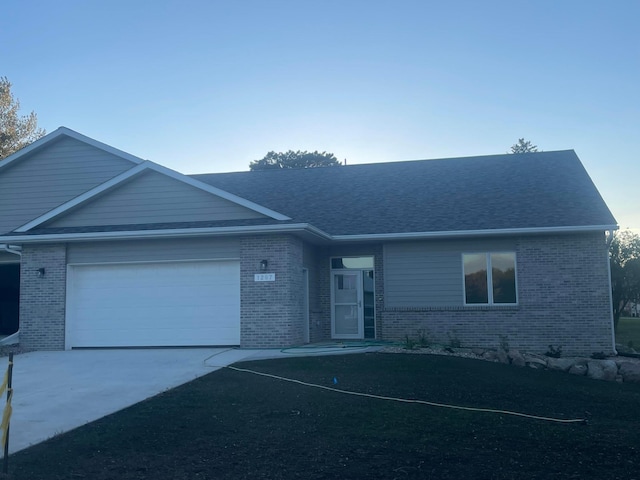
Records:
x=545, y=190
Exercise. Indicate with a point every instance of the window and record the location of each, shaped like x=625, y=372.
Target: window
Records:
x=482, y=270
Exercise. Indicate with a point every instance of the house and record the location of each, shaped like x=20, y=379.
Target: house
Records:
x=115, y=251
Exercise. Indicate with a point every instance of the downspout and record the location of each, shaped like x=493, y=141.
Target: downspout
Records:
x=15, y=250
x=609, y=236
x=11, y=249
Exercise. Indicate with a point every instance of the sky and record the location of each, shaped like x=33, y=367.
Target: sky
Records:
x=204, y=86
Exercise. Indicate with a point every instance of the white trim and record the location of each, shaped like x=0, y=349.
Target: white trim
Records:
x=167, y=233
x=474, y=233
x=138, y=262
x=288, y=228
x=144, y=166
x=72, y=134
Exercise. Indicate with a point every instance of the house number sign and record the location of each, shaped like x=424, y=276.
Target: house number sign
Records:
x=264, y=277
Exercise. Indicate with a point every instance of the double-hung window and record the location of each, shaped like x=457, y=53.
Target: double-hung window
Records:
x=490, y=278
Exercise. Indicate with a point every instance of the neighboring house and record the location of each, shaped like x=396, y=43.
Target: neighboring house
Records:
x=115, y=251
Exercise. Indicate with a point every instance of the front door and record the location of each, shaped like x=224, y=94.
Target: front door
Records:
x=347, y=319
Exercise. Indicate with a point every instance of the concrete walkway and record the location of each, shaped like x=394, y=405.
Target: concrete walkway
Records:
x=55, y=392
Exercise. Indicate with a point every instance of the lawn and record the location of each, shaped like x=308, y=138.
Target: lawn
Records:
x=628, y=330
x=236, y=425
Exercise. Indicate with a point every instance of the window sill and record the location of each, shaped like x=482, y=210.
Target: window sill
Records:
x=463, y=308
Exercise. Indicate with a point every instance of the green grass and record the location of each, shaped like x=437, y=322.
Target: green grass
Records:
x=628, y=330
x=235, y=425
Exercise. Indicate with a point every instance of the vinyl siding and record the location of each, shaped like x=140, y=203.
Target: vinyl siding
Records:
x=6, y=257
x=47, y=178
x=429, y=274
x=152, y=197
x=153, y=250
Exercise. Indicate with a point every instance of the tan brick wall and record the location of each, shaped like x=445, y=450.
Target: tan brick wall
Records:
x=271, y=313
x=42, y=299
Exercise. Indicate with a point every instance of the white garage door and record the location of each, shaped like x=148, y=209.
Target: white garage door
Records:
x=153, y=304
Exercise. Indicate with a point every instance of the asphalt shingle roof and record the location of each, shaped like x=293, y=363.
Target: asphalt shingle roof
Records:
x=533, y=190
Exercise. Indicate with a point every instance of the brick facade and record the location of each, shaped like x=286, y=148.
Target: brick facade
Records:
x=563, y=297
x=42, y=298
x=563, y=300
x=271, y=313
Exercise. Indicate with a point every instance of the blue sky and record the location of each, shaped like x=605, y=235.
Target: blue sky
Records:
x=208, y=86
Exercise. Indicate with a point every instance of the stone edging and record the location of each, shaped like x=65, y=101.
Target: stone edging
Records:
x=619, y=369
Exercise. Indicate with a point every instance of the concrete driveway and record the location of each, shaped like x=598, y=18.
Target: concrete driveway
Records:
x=57, y=391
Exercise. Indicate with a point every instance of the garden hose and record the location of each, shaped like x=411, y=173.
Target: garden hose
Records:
x=421, y=402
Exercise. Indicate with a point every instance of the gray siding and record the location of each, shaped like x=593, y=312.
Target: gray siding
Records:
x=153, y=250
x=152, y=197
x=63, y=170
x=9, y=257
x=429, y=274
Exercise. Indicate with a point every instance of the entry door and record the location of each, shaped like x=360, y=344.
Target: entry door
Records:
x=347, y=319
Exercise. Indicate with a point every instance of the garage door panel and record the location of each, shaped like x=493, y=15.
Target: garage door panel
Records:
x=167, y=304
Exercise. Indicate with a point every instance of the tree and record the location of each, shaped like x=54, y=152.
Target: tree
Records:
x=297, y=159
x=624, y=256
x=523, y=147
x=16, y=131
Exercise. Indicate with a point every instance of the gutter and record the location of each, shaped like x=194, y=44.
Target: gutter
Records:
x=14, y=249
x=167, y=233
x=299, y=227
x=475, y=233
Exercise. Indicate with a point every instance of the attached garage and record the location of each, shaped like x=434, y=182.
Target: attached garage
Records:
x=154, y=304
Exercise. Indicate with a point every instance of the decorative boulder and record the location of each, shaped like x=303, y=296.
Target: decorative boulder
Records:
x=502, y=356
x=578, y=369
x=602, y=370
x=630, y=371
x=563, y=364
x=490, y=355
x=516, y=358
x=535, y=361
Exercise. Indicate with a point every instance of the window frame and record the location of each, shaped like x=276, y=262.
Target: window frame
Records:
x=490, y=302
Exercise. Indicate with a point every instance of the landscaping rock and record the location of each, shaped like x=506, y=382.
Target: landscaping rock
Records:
x=630, y=371
x=490, y=355
x=516, y=358
x=602, y=370
x=563, y=364
x=502, y=356
x=534, y=361
x=577, y=369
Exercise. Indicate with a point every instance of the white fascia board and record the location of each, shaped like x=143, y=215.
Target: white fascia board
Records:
x=82, y=198
x=69, y=133
x=290, y=228
x=475, y=233
x=218, y=192
x=165, y=233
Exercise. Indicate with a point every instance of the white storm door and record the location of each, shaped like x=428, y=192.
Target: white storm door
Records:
x=347, y=321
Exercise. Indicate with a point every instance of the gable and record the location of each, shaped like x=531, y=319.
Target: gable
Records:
x=52, y=175
x=152, y=197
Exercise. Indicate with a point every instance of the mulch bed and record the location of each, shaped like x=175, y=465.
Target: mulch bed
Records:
x=235, y=425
